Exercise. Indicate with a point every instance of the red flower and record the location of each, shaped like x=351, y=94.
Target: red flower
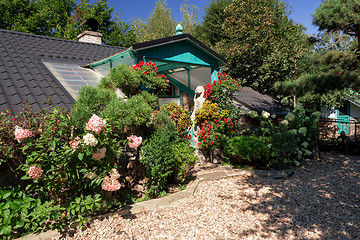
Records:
x=212, y=142
x=145, y=73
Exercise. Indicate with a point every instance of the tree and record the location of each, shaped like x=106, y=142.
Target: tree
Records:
x=326, y=74
x=62, y=19
x=189, y=17
x=344, y=15
x=159, y=25
x=262, y=45
x=215, y=15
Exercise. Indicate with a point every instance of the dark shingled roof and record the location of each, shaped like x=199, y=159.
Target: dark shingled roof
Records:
x=23, y=76
x=254, y=100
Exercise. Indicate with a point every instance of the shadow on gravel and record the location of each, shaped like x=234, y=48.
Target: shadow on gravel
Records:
x=321, y=200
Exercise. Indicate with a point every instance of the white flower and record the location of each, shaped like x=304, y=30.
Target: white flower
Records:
x=293, y=131
x=284, y=101
x=290, y=117
x=303, y=131
x=89, y=139
x=253, y=114
x=265, y=114
x=284, y=122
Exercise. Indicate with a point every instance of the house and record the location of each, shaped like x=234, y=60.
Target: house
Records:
x=343, y=119
x=42, y=70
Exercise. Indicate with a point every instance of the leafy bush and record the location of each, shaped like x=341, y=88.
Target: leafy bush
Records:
x=91, y=100
x=158, y=156
x=141, y=77
x=247, y=150
x=21, y=214
x=185, y=159
x=290, y=139
x=209, y=112
x=179, y=116
x=221, y=91
x=122, y=77
x=81, y=208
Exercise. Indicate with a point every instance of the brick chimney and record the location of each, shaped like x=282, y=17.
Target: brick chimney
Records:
x=91, y=36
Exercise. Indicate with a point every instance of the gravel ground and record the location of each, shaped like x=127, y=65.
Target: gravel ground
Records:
x=320, y=201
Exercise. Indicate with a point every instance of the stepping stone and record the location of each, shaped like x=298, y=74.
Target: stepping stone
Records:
x=214, y=175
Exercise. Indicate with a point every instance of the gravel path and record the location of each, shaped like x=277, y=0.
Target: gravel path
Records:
x=320, y=201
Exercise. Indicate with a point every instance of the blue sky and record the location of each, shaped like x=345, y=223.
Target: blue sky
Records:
x=301, y=9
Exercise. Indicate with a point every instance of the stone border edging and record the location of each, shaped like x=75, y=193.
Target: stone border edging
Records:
x=167, y=200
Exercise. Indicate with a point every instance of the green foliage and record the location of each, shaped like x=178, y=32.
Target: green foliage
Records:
x=215, y=15
x=221, y=91
x=185, y=159
x=158, y=156
x=9, y=146
x=325, y=77
x=91, y=100
x=82, y=207
x=159, y=25
x=122, y=77
x=209, y=112
x=261, y=43
x=62, y=19
x=144, y=76
x=333, y=15
x=21, y=214
x=291, y=139
x=179, y=116
x=247, y=150
x=189, y=17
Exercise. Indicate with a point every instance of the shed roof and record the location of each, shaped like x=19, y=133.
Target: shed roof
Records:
x=23, y=76
x=259, y=102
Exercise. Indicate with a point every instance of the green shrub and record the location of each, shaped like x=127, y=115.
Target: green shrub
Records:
x=185, y=159
x=180, y=116
x=122, y=77
x=291, y=138
x=133, y=80
x=247, y=150
x=21, y=214
x=91, y=100
x=157, y=155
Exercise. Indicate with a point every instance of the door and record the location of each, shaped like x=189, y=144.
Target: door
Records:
x=343, y=119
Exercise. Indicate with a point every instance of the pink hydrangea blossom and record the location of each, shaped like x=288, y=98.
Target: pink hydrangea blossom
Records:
x=110, y=184
x=100, y=153
x=114, y=174
x=35, y=172
x=96, y=124
x=75, y=143
x=21, y=133
x=134, y=141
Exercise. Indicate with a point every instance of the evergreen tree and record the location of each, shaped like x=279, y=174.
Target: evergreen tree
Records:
x=344, y=15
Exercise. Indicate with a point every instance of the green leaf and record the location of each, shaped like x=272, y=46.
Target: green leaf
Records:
x=24, y=148
x=81, y=156
x=53, y=144
x=6, y=230
x=6, y=195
